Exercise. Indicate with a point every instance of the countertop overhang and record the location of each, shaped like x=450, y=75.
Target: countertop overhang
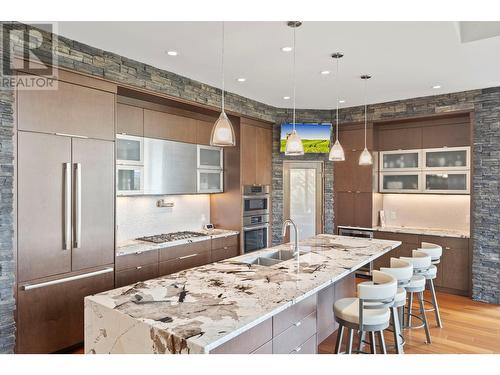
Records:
x=196, y=310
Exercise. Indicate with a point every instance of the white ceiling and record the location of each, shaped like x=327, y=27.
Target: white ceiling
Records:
x=405, y=58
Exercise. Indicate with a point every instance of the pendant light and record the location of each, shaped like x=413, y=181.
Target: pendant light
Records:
x=337, y=152
x=294, y=146
x=366, y=157
x=222, y=131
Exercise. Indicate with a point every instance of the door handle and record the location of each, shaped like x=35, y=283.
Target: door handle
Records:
x=67, y=206
x=67, y=279
x=187, y=256
x=78, y=207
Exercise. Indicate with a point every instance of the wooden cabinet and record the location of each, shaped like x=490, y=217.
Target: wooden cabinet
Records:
x=168, y=126
x=184, y=262
x=353, y=209
x=71, y=109
x=399, y=138
x=409, y=242
x=256, y=154
x=296, y=335
x=136, y=274
x=203, y=132
x=136, y=259
x=50, y=316
x=224, y=248
x=129, y=120
x=352, y=137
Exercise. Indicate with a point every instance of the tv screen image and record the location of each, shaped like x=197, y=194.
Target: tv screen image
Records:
x=315, y=136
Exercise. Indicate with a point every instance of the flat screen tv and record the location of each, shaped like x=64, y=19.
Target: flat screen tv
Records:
x=315, y=136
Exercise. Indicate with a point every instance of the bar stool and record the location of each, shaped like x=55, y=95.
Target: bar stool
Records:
x=421, y=263
x=368, y=313
x=435, y=252
x=402, y=271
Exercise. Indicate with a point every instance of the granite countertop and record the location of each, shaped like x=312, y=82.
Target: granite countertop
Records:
x=199, y=309
x=412, y=230
x=138, y=246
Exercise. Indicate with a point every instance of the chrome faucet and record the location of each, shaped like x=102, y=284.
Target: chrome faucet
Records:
x=286, y=224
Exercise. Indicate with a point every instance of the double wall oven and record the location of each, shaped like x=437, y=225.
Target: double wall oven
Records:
x=255, y=217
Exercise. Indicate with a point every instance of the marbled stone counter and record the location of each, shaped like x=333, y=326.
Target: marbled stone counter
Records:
x=423, y=231
x=199, y=309
x=138, y=246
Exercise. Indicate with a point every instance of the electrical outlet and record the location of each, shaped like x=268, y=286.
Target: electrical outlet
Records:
x=393, y=215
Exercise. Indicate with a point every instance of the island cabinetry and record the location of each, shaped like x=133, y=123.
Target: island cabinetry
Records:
x=255, y=340
x=293, y=339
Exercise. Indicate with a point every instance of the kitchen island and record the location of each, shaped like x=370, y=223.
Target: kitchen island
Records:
x=232, y=306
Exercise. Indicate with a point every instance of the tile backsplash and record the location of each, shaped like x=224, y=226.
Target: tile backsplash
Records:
x=139, y=216
x=427, y=211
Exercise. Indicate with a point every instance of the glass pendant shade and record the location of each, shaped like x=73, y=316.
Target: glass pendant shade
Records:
x=336, y=152
x=365, y=158
x=294, y=144
x=223, y=132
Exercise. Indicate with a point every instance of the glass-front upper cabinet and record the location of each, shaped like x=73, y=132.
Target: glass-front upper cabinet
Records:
x=129, y=150
x=400, y=182
x=210, y=157
x=447, y=158
x=400, y=160
x=129, y=180
x=447, y=182
x=210, y=181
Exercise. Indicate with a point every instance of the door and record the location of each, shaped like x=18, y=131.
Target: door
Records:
x=303, y=188
x=93, y=234
x=44, y=205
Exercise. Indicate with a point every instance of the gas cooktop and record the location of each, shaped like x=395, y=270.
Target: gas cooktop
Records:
x=169, y=237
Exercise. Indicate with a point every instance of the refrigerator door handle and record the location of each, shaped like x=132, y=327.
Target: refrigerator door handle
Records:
x=67, y=206
x=78, y=206
x=67, y=279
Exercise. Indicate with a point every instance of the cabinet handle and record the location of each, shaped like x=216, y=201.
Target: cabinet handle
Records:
x=138, y=267
x=138, y=252
x=78, y=206
x=447, y=248
x=72, y=135
x=296, y=350
x=297, y=324
x=67, y=279
x=225, y=247
x=67, y=206
x=187, y=256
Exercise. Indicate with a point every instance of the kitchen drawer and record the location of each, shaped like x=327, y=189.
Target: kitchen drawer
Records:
x=221, y=242
x=446, y=242
x=295, y=313
x=309, y=347
x=184, y=262
x=50, y=316
x=249, y=341
x=138, y=273
x=224, y=253
x=136, y=259
x=296, y=335
x=403, y=237
x=174, y=252
x=267, y=348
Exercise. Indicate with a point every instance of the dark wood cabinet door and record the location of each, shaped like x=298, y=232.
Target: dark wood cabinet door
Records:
x=447, y=135
x=363, y=210
x=129, y=120
x=71, y=109
x=344, y=212
x=248, y=154
x=41, y=205
x=263, y=155
x=50, y=318
x=399, y=139
x=455, y=266
x=136, y=274
x=344, y=173
x=96, y=246
x=168, y=126
x=354, y=138
x=185, y=262
x=204, y=132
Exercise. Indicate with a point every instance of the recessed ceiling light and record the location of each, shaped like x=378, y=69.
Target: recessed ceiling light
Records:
x=286, y=97
x=241, y=79
x=435, y=87
x=172, y=53
x=341, y=101
x=286, y=49
x=325, y=72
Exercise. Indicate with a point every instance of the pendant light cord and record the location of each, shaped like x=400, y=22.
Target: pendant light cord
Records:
x=337, y=111
x=366, y=106
x=293, y=76
x=223, y=78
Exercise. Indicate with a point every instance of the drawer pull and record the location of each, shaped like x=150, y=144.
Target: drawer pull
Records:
x=225, y=247
x=138, y=267
x=67, y=279
x=187, y=256
x=139, y=252
x=297, y=324
x=296, y=350
x=447, y=248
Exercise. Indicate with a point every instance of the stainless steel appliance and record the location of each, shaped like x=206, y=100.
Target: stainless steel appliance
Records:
x=367, y=269
x=255, y=217
x=169, y=237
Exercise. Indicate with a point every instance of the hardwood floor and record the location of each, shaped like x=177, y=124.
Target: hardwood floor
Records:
x=468, y=327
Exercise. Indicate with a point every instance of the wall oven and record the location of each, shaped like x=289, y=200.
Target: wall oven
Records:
x=255, y=221
x=366, y=270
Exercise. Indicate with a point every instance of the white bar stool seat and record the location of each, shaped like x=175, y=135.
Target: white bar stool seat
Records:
x=367, y=313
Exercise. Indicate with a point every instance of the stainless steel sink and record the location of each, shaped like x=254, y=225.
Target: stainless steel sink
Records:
x=270, y=259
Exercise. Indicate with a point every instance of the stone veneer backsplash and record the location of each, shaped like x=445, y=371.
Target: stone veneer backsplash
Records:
x=82, y=58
